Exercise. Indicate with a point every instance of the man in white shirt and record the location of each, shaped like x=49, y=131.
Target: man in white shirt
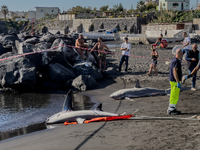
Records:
x=125, y=48
x=186, y=43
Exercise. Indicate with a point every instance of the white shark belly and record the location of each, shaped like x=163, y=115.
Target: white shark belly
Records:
x=72, y=116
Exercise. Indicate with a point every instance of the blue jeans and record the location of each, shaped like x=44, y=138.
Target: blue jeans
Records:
x=185, y=51
x=193, y=77
x=123, y=58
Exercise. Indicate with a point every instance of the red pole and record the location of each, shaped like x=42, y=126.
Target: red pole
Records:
x=32, y=27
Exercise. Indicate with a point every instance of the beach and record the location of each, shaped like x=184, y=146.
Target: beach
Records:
x=126, y=134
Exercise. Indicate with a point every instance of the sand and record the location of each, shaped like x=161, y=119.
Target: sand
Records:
x=126, y=134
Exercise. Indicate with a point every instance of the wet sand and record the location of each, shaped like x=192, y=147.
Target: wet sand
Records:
x=126, y=134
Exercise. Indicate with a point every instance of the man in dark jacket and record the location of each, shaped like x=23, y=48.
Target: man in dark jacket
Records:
x=192, y=58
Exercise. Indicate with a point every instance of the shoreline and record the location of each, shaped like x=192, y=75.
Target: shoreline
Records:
x=115, y=134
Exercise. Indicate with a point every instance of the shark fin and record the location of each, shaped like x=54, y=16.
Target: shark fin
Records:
x=80, y=120
x=67, y=106
x=137, y=84
x=124, y=113
x=99, y=107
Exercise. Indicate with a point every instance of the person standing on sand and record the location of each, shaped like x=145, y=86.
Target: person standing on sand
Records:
x=125, y=48
x=192, y=73
x=192, y=58
x=175, y=75
x=154, y=55
x=80, y=43
x=102, y=53
x=186, y=43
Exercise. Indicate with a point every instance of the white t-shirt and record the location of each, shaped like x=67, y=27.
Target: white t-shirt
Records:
x=186, y=40
x=128, y=46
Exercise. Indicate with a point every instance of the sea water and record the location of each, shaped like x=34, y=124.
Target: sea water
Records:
x=27, y=112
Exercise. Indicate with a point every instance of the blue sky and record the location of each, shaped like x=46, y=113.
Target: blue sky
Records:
x=25, y=5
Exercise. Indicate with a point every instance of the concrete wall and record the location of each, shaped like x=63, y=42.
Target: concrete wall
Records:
x=66, y=16
x=73, y=16
x=156, y=33
x=31, y=14
x=196, y=23
x=154, y=30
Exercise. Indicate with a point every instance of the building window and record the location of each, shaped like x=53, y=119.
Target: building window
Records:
x=175, y=4
x=41, y=10
x=52, y=10
x=164, y=4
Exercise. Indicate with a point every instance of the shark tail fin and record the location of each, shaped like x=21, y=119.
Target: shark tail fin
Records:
x=99, y=107
x=137, y=84
x=67, y=105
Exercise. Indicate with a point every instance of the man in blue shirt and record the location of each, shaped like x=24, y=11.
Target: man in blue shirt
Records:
x=192, y=58
x=175, y=75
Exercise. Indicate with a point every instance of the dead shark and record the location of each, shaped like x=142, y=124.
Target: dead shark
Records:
x=68, y=114
x=137, y=91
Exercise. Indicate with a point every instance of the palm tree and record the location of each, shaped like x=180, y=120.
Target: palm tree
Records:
x=4, y=10
x=141, y=6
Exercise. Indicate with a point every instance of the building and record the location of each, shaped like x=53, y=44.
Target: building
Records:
x=19, y=14
x=198, y=7
x=107, y=13
x=8, y=16
x=31, y=15
x=153, y=1
x=41, y=12
x=180, y=5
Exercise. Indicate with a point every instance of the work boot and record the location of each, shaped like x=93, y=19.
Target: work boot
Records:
x=173, y=112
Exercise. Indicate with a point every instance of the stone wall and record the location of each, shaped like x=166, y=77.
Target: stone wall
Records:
x=131, y=24
x=62, y=26
x=83, y=25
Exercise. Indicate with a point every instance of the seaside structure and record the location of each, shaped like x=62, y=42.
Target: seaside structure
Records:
x=180, y=5
x=170, y=31
x=71, y=16
x=41, y=12
x=9, y=15
x=198, y=7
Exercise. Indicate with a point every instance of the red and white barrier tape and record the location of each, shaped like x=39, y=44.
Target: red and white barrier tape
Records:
x=79, y=48
x=116, y=53
x=29, y=53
